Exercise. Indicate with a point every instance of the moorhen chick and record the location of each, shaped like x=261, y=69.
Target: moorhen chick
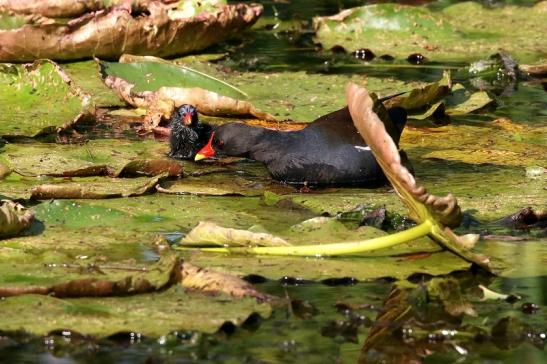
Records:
x=188, y=134
x=329, y=151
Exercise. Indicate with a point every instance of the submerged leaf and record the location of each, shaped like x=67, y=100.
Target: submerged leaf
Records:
x=110, y=33
x=208, y=233
x=448, y=291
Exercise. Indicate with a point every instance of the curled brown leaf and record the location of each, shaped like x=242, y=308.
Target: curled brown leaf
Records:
x=209, y=281
x=14, y=218
x=110, y=33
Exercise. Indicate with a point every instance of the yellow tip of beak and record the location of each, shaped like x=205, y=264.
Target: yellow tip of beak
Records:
x=199, y=157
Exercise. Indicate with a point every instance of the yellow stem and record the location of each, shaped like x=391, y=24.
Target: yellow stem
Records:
x=353, y=247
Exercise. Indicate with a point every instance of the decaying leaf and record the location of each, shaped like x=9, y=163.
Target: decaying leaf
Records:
x=161, y=102
x=208, y=233
x=159, y=30
x=535, y=70
x=69, y=8
x=449, y=292
x=14, y=218
x=439, y=98
x=96, y=189
x=443, y=212
x=210, y=281
x=52, y=8
x=164, y=273
x=424, y=96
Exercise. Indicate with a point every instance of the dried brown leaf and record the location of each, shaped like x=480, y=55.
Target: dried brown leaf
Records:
x=110, y=33
x=166, y=272
x=161, y=103
x=422, y=205
x=14, y=218
x=210, y=233
x=209, y=281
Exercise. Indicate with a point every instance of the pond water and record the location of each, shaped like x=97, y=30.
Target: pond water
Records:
x=334, y=320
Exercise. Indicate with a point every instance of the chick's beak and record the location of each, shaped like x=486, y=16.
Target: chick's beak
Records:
x=187, y=119
x=207, y=151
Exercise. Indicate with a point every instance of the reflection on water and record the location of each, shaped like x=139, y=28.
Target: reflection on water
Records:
x=328, y=323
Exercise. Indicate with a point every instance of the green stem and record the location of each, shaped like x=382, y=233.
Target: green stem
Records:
x=346, y=248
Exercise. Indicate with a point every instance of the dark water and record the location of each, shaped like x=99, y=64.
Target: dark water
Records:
x=327, y=322
x=318, y=326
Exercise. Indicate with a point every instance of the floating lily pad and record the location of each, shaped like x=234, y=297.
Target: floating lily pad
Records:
x=224, y=184
x=463, y=31
x=153, y=314
x=38, y=98
x=362, y=268
x=150, y=74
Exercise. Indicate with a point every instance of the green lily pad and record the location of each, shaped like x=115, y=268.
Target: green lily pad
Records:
x=72, y=160
x=362, y=268
x=153, y=314
x=223, y=184
x=151, y=75
x=463, y=31
x=38, y=98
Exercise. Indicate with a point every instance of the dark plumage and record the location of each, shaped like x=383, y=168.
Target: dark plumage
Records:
x=188, y=134
x=329, y=151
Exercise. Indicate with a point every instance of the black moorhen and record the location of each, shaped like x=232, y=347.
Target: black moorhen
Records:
x=188, y=134
x=329, y=151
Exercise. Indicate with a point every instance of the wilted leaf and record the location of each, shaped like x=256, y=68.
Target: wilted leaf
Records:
x=53, y=8
x=166, y=272
x=14, y=218
x=38, y=98
x=439, y=97
x=160, y=87
x=96, y=188
x=462, y=102
x=209, y=281
x=421, y=97
x=208, y=233
x=466, y=30
x=108, y=34
x=443, y=212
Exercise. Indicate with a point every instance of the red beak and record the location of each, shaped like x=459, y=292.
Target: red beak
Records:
x=187, y=119
x=207, y=151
